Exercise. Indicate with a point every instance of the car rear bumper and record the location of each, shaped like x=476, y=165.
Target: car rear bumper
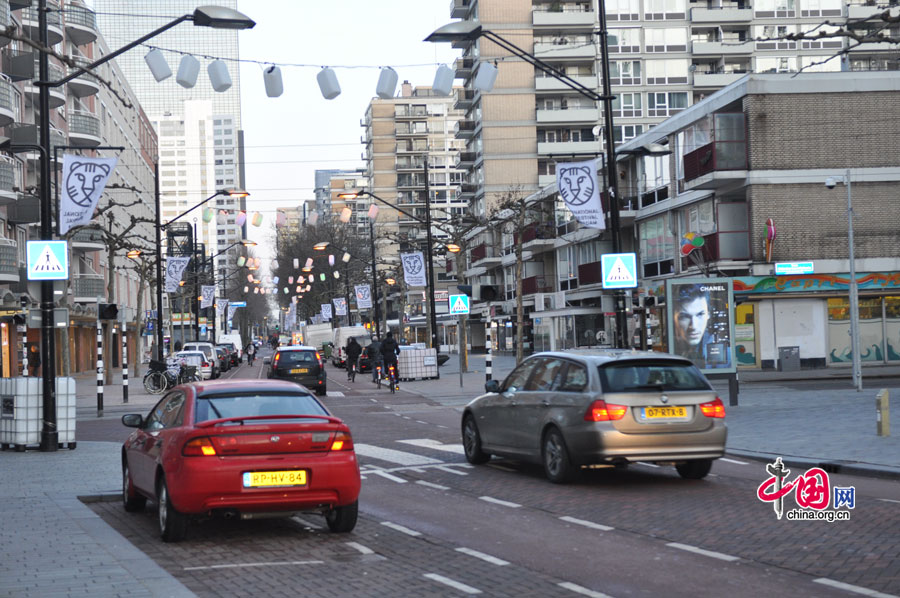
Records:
x=201, y=486
x=593, y=446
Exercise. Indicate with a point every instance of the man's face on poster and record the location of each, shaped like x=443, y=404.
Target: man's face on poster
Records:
x=691, y=320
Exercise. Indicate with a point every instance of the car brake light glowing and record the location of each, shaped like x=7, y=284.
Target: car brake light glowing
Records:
x=601, y=411
x=277, y=357
x=199, y=447
x=713, y=408
x=342, y=442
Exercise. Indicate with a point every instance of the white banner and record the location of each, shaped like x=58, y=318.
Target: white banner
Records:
x=221, y=306
x=231, y=310
x=209, y=295
x=326, y=311
x=577, y=183
x=174, y=269
x=84, y=180
x=340, y=306
x=363, y=296
x=414, y=269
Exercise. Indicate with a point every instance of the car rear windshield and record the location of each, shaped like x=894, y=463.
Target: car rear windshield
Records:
x=651, y=375
x=247, y=405
x=291, y=357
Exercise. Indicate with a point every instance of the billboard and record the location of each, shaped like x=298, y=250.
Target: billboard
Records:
x=701, y=322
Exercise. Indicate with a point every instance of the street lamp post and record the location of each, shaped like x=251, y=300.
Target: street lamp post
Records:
x=377, y=311
x=472, y=30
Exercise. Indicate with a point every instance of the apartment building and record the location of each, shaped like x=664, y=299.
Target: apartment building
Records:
x=405, y=137
x=85, y=114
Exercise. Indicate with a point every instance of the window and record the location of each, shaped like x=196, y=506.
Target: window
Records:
x=763, y=9
x=627, y=104
x=665, y=72
x=666, y=104
x=657, y=243
x=655, y=10
x=625, y=72
x=772, y=37
x=665, y=40
x=624, y=41
x=519, y=376
x=575, y=378
x=544, y=375
x=622, y=133
x=776, y=64
x=167, y=413
x=622, y=10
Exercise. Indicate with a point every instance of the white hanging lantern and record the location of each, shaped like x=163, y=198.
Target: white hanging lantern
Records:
x=222, y=217
x=218, y=75
x=290, y=280
x=257, y=219
x=296, y=263
x=158, y=65
x=249, y=278
x=309, y=262
x=246, y=288
x=387, y=83
x=240, y=219
x=298, y=291
x=345, y=215
x=443, y=80
x=280, y=219
x=272, y=80
x=256, y=290
x=337, y=274
x=373, y=212
x=330, y=260
x=310, y=278
x=188, y=71
x=328, y=83
x=275, y=280
x=241, y=261
x=313, y=218
x=485, y=77
x=346, y=257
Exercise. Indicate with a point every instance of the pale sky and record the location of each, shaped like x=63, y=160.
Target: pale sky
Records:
x=289, y=137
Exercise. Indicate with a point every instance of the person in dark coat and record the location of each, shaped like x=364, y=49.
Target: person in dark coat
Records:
x=353, y=351
x=389, y=351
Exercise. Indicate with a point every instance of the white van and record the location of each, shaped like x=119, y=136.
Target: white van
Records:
x=341, y=336
x=234, y=339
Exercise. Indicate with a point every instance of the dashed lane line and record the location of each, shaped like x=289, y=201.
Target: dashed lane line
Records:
x=457, y=585
x=434, y=445
x=585, y=523
x=852, y=588
x=710, y=553
x=401, y=529
x=567, y=585
x=334, y=393
x=430, y=485
x=386, y=475
x=484, y=557
x=735, y=461
x=497, y=501
x=242, y=565
x=450, y=469
x=362, y=549
x=889, y=500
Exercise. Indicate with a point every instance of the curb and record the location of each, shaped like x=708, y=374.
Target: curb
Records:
x=885, y=472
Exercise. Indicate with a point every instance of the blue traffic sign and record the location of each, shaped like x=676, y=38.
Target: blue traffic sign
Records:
x=619, y=270
x=459, y=304
x=784, y=268
x=47, y=260
x=237, y=303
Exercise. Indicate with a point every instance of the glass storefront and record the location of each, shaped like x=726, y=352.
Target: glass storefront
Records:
x=879, y=330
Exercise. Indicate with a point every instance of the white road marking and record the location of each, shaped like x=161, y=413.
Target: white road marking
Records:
x=648, y=464
x=374, y=400
x=387, y=476
x=400, y=528
x=735, y=461
x=442, y=426
x=452, y=583
x=590, y=524
x=449, y=469
x=583, y=591
x=399, y=457
x=430, y=485
x=484, y=557
x=852, y=588
x=334, y=393
x=419, y=421
x=497, y=501
x=716, y=555
x=889, y=500
x=239, y=565
x=435, y=445
x=501, y=467
x=362, y=549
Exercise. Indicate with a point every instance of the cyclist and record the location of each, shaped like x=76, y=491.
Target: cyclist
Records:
x=251, y=353
x=389, y=351
x=374, y=351
x=353, y=350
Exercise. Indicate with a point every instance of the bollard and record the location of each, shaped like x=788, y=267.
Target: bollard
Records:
x=124, y=338
x=882, y=413
x=99, y=368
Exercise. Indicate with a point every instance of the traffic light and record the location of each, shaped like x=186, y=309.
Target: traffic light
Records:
x=108, y=311
x=480, y=292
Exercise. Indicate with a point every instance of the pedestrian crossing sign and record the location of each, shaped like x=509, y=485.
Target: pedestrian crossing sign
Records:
x=619, y=270
x=459, y=304
x=47, y=260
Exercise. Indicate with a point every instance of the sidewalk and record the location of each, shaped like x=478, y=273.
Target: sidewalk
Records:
x=57, y=546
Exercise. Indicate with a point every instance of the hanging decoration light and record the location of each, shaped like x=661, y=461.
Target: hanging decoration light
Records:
x=257, y=219
x=346, y=213
x=337, y=274
x=387, y=83
x=246, y=288
x=331, y=260
x=290, y=280
x=249, y=278
x=222, y=217
x=280, y=219
x=346, y=257
x=485, y=77
x=322, y=277
x=188, y=70
x=272, y=80
x=309, y=262
x=297, y=290
x=443, y=80
x=218, y=76
x=296, y=263
x=158, y=65
x=313, y=218
x=373, y=212
x=241, y=261
x=208, y=214
x=328, y=83
x=311, y=278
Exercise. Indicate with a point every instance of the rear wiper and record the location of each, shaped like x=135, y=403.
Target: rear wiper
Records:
x=213, y=407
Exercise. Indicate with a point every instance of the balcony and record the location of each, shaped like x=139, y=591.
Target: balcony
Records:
x=572, y=115
x=464, y=67
x=406, y=112
x=484, y=255
x=715, y=164
x=87, y=239
x=404, y=131
x=466, y=159
x=568, y=20
x=5, y=20
x=551, y=84
x=536, y=235
x=84, y=129
x=54, y=25
x=10, y=175
x=84, y=84
x=547, y=148
x=564, y=51
x=715, y=80
x=465, y=129
x=468, y=190
x=87, y=287
x=536, y=284
x=404, y=163
x=459, y=9
x=721, y=16
x=9, y=261
x=464, y=99
x=730, y=48
x=8, y=104
x=57, y=95
x=590, y=273
x=718, y=247
x=81, y=24
x=27, y=210
x=25, y=134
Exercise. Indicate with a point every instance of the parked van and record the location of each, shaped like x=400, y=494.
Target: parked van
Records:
x=209, y=350
x=341, y=336
x=234, y=339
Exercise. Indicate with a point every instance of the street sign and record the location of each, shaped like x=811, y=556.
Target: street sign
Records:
x=441, y=295
x=47, y=260
x=619, y=270
x=459, y=304
x=237, y=303
x=784, y=268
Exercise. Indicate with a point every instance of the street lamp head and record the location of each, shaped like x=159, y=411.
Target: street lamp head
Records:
x=351, y=195
x=390, y=281
x=831, y=182
x=456, y=32
x=219, y=17
x=453, y=248
x=233, y=192
x=134, y=254
x=248, y=243
x=321, y=246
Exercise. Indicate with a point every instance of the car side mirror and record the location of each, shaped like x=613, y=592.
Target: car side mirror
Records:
x=133, y=420
x=266, y=360
x=492, y=386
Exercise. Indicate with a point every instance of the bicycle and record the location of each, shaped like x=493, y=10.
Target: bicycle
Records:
x=378, y=375
x=351, y=372
x=392, y=377
x=160, y=379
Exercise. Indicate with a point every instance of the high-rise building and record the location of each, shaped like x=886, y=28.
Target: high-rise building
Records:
x=199, y=129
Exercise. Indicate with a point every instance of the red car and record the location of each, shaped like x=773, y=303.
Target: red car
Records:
x=244, y=448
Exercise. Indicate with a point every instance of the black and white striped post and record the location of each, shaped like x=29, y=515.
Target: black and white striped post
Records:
x=487, y=344
x=99, y=368
x=124, y=338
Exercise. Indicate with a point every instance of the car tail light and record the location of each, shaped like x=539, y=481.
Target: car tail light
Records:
x=342, y=442
x=319, y=359
x=205, y=364
x=277, y=357
x=199, y=447
x=601, y=411
x=713, y=408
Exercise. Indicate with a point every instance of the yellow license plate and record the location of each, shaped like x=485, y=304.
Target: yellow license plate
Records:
x=664, y=412
x=300, y=371
x=263, y=479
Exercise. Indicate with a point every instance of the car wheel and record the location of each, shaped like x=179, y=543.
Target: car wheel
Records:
x=172, y=524
x=132, y=501
x=472, y=442
x=557, y=466
x=342, y=519
x=694, y=470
